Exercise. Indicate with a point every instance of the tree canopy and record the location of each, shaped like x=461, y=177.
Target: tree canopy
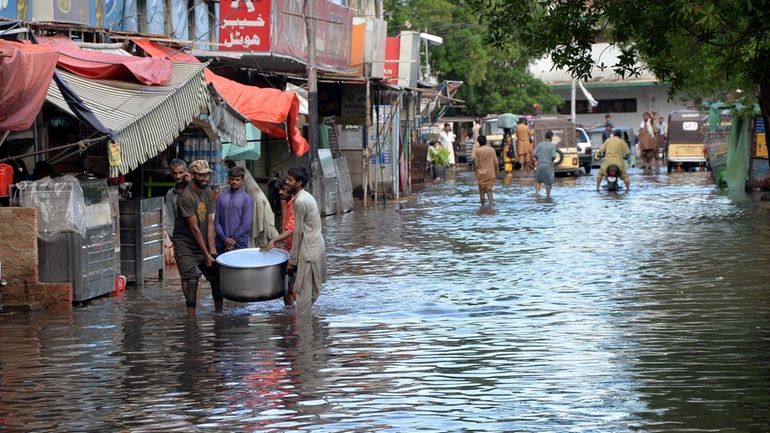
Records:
x=700, y=47
x=495, y=77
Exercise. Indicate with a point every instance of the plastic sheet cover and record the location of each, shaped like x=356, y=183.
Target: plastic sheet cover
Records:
x=738, y=153
x=59, y=203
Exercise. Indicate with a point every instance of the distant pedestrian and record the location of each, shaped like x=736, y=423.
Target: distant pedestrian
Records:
x=447, y=139
x=194, y=237
x=662, y=131
x=648, y=144
x=476, y=132
x=607, y=133
x=545, y=152
x=509, y=152
x=524, y=144
x=486, y=169
x=232, y=219
x=308, y=250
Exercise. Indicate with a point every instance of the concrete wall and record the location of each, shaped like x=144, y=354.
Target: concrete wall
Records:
x=355, y=160
x=18, y=253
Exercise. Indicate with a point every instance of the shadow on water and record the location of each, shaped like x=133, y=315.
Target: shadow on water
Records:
x=644, y=311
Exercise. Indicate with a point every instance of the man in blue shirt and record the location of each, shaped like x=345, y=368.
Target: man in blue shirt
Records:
x=232, y=220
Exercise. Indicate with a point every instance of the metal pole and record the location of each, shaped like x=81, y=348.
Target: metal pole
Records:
x=367, y=126
x=312, y=100
x=572, y=103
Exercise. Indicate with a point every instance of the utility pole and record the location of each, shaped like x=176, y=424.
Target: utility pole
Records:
x=572, y=104
x=316, y=185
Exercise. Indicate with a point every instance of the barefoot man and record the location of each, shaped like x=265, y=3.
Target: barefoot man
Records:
x=486, y=169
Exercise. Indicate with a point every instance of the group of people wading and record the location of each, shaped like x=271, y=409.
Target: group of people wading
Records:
x=521, y=152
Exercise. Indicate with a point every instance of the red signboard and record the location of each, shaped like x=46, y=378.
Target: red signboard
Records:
x=334, y=24
x=244, y=25
x=392, y=53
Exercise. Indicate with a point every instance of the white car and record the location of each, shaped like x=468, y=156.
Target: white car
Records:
x=584, y=148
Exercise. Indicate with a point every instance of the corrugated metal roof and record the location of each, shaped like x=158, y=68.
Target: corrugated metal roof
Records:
x=147, y=119
x=114, y=48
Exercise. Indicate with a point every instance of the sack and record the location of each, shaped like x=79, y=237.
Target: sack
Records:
x=113, y=154
x=511, y=153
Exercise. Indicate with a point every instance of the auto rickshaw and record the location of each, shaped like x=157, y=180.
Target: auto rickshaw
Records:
x=565, y=138
x=686, y=140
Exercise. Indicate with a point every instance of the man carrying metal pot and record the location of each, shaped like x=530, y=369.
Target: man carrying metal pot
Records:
x=308, y=251
x=194, y=237
x=287, y=233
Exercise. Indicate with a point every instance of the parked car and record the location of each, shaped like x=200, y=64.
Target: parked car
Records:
x=585, y=152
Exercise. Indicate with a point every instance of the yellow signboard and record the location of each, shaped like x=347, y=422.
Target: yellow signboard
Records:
x=761, y=151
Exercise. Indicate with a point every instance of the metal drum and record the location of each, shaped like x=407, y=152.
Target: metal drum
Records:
x=253, y=274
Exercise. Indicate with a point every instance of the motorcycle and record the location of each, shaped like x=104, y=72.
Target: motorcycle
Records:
x=613, y=172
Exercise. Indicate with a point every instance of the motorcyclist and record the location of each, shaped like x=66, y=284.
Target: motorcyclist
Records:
x=615, y=151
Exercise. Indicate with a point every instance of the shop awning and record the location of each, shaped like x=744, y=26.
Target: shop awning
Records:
x=222, y=122
x=146, y=119
x=25, y=71
x=267, y=109
x=102, y=65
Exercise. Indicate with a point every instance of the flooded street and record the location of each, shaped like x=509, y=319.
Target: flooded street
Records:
x=647, y=311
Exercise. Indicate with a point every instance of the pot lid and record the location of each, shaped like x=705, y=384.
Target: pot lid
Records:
x=253, y=258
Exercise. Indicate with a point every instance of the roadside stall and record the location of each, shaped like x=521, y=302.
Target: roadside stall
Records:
x=76, y=241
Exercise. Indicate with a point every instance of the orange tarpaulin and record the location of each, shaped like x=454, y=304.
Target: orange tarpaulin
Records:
x=25, y=72
x=267, y=109
x=104, y=66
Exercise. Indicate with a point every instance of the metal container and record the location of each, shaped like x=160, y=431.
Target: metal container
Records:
x=141, y=238
x=253, y=274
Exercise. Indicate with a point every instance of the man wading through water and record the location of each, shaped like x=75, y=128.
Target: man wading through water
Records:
x=486, y=169
x=308, y=251
x=178, y=170
x=194, y=237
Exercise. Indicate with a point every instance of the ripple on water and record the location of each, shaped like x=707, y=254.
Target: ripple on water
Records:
x=592, y=312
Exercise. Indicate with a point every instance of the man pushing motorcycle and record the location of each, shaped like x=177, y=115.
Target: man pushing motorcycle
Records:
x=615, y=151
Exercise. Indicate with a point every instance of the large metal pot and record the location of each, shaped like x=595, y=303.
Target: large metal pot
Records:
x=253, y=274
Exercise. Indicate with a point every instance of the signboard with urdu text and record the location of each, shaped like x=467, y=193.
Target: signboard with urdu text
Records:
x=244, y=25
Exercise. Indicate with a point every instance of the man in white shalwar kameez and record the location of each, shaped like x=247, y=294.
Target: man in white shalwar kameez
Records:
x=308, y=250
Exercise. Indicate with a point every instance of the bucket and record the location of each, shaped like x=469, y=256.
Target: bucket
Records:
x=120, y=285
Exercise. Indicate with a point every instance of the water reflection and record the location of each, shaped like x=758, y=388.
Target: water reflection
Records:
x=592, y=312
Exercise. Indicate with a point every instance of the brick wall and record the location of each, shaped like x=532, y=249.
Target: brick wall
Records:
x=18, y=253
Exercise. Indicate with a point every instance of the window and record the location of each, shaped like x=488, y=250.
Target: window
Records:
x=202, y=23
x=627, y=105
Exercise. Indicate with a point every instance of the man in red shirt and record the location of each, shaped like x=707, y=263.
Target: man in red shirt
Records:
x=287, y=233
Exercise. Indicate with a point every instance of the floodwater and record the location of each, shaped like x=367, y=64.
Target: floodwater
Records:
x=594, y=312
